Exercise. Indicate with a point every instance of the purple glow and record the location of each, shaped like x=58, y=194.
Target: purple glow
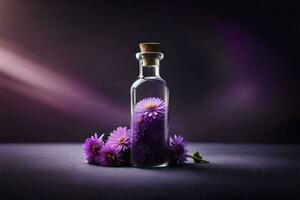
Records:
x=31, y=79
x=245, y=88
x=242, y=51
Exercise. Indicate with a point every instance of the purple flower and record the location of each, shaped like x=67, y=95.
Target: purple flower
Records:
x=119, y=139
x=150, y=108
x=109, y=156
x=92, y=147
x=178, y=151
x=149, y=144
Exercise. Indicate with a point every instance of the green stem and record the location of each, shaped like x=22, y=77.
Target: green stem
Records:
x=198, y=160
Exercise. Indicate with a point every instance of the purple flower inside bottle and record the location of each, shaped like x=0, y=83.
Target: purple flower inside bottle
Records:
x=149, y=144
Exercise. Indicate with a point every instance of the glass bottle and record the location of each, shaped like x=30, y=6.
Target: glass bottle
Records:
x=149, y=111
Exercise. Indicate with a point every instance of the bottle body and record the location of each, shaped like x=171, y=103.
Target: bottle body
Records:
x=149, y=119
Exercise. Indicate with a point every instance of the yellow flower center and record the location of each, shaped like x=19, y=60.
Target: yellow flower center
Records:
x=122, y=140
x=95, y=148
x=150, y=106
x=110, y=156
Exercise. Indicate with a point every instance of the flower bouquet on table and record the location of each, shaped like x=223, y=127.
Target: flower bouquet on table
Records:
x=148, y=141
x=115, y=151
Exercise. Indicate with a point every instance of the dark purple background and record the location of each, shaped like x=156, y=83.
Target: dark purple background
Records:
x=232, y=69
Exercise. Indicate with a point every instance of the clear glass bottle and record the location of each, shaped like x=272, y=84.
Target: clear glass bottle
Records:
x=149, y=111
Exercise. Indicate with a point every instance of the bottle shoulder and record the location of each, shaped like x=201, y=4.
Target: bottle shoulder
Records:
x=149, y=81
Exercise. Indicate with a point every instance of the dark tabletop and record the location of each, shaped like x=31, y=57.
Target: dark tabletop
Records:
x=57, y=171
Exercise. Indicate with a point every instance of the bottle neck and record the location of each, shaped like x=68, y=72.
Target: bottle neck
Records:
x=149, y=71
x=149, y=64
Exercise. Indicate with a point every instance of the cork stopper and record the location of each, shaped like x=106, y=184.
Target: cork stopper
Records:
x=149, y=47
x=150, y=53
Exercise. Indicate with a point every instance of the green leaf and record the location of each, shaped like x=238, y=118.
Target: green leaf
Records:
x=198, y=158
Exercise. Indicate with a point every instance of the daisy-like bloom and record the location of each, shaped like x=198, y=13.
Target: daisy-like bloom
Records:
x=150, y=108
x=178, y=151
x=109, y=156
x=92, y=147
x=119, y=139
